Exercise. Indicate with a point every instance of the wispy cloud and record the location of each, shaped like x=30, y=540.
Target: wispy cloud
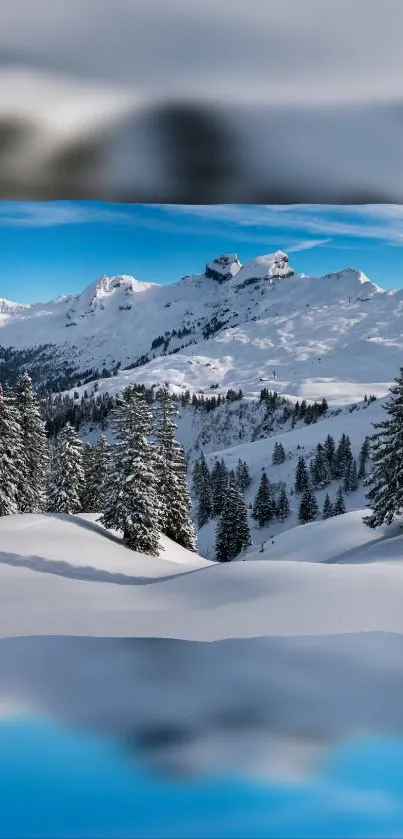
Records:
x=49, y=214
x=155, y=217
x=292, y=228
x=306, y=245
x=380, y=222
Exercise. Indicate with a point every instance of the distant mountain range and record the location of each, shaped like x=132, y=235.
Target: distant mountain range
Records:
x=234, y=325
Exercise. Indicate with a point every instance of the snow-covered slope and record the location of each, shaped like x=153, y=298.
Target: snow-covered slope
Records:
x=67, y=576
x=357, y=423
x=338, y=336
x=300, y=653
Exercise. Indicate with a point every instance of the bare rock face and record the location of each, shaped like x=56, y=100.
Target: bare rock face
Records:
x=223, y=268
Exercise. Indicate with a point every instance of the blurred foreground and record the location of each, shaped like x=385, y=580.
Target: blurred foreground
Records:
x=174, y=696
x=71, y=785
x=139, y=100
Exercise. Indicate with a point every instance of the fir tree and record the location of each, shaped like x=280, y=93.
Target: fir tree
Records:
x=363, y=458
x=330, y=451
x=282, y=506
x=339, y=507
x=385, y=483
x=196, y=477
x=96, y=467
x=131, y=502
x=204, y=510
x=264, y=509
x=233, y=534
x=343, y=457
x=242, y=475
x=278, y=454
x=320, y=468
x=301, y=476
x=11, y=461
x=308, y=509
x=67, y=478
x=34, y=452
x=232, y=479
x=351, y=477
x=171, y=467
x=327, y=512
x=219, y=483
x=86, y=497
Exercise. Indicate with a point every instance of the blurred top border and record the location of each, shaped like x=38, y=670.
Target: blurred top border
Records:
x=202, y=102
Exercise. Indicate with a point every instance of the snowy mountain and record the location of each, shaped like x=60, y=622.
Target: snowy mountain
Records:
x=234, y=325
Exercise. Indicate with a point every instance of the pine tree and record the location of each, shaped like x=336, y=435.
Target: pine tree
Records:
x=232, y=479
x=219, y=483
x=131, y=502
x=86, y=496
x=330, y=451
x=351, y=477
x=171, y=468
x=67, y=478
x=11, y=461
x=320, y=469
x=96, y=467
x=264, y=508
x=301, y=476
x=243, y=530
x=362, y=459
x=242, y=475
x=282, y=506
x=339, y=507
x=196, y=477
x=35, y=451
x=278, y=454
x=343, y=457
x=233, y=534
x=327, y=512
x=308, y=509
x=204, y=509
x=385, y=483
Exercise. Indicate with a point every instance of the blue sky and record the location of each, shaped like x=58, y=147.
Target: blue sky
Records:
x=52, y=248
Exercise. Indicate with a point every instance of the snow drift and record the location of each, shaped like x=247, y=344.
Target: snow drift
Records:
x=299, y=652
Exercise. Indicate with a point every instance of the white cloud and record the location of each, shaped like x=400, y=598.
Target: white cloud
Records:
x=264, y=225
x=306, y=245
x=380, y=222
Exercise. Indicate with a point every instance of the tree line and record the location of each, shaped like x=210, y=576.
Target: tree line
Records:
x=220, y=491
x=330, y=462
x=220, y=494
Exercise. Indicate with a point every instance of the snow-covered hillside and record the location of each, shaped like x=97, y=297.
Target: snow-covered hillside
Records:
x=338, y=336
x=357, y=422
x=299, y=653
x=68, y=576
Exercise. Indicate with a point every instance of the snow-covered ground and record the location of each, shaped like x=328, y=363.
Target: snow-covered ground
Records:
x=68, y=576
x=299, y=652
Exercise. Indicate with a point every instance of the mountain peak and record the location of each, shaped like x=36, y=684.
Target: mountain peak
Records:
x=353, y=277
x=272, y=266
x=223, y=267
x=106, y=285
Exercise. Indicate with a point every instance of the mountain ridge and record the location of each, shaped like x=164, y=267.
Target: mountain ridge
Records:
x=232, y=326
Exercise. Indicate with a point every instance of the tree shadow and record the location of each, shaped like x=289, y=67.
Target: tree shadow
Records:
x=94, y=526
